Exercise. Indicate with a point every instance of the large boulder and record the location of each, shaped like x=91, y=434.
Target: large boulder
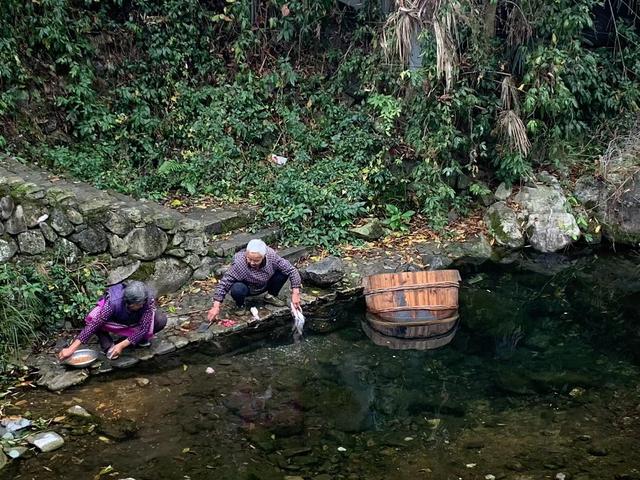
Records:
x=503, y=192
x=614, y=196
x=16, y=223
x=549, y=225
x=49, y=234
x=433, y=256
x=6, y=207
x=169, y=275
x=32, y=242
x=146, y=243
x=621, y=213
x=473, y=251
x=8, y=249
x=91, y=240
x=117, y=246
x=370, y=231
x=504, y=226
x=589, y=190
x=69, y=250
x=324, y=273
x=205, y=269
x=122, y=272
x=552, y=232
x=117, y=224
x=34, y=214
x=60, y=223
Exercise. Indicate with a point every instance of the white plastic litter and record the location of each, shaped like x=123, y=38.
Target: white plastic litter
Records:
x=298, y=321
x=278, y=160
x=210, y=371
x=254, y=314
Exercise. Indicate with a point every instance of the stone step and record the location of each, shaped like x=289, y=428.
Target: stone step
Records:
x=217, y=220
x=238, y=241
x=293, y=254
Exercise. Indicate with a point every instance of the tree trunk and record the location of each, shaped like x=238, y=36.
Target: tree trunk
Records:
x=490, y=19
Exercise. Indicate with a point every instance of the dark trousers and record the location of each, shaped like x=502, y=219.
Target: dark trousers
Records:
x=240, y=290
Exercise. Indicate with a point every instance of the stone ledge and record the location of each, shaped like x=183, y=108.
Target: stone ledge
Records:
x=181, y=332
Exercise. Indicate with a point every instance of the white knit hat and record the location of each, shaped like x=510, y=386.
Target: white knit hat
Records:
x=257, y=246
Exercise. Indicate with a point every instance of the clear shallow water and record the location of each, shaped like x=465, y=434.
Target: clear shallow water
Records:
x=542, y=378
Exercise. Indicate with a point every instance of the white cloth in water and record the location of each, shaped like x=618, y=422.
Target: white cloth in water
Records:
x=298, y=320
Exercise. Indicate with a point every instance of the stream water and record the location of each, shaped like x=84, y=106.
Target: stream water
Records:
x=540, y=381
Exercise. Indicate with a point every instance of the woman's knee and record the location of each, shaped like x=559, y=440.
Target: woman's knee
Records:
x=159, y=321
x=239, y=289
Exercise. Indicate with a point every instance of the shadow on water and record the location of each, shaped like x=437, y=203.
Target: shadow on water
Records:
x=541, y=378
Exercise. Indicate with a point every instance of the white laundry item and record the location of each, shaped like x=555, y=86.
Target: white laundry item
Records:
x=298, y=321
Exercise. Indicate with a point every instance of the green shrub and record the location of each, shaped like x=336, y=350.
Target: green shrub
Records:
x=35, y=300
x=21, y=309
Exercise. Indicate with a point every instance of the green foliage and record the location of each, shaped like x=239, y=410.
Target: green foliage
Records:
x=155, y=97
x=397, y=220
x=35, y=299
x=387, y=108
x=20, y=309
x=69, y=294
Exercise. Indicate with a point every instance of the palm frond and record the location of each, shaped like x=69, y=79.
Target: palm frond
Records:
x=410, y=17
x=519, y=29
x=509, y=94
x=512, y=129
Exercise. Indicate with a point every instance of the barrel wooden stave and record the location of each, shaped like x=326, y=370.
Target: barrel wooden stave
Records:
x=413, y=296
x=417, y=329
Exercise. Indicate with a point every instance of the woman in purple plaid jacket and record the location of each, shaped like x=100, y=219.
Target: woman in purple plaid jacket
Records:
x=254, y=271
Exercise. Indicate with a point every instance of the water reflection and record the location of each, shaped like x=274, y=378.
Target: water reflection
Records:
x=420, y=343
x=539, y=377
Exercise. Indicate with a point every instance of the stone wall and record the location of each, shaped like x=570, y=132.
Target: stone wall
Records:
x=44, y=214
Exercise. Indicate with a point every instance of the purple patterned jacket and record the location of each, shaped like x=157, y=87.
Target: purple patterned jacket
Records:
x=256, y=279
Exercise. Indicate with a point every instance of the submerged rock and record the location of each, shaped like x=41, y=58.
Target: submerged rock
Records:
x=56, y=378
x=118, y=428
x=46, y=441
x=15, y=453
x=13, y=424
x=79, y=412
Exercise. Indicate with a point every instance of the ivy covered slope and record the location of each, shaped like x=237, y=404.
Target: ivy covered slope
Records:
x=153, y=97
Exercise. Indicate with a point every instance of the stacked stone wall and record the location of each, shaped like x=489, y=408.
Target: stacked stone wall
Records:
x=43, y=214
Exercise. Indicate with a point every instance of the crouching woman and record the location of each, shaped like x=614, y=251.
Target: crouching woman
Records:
x=125, y=310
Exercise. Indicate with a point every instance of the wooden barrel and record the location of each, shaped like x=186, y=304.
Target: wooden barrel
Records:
x=418, y=329
x=413, y=296
x=395, y=343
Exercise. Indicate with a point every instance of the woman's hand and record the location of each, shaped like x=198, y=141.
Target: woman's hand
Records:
x=65, y=353
x=295, y=298
x=117, y=349
x=212, y=315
